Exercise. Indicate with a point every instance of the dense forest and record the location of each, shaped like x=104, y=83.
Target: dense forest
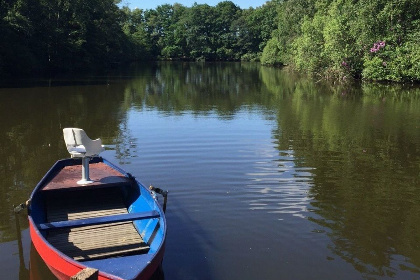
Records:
x=68, y=35
x=338, y=39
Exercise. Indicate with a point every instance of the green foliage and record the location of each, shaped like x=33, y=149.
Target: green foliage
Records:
x=336, y=38
x=374, y=68
x=397, y=63
x=307, y=51
x=60, y=35
x=339, y=49
x=203, y=32
x=253, y=57
x=271, y=53
x=290, y=14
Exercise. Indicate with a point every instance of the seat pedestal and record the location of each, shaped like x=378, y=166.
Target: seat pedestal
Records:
x=85, y=172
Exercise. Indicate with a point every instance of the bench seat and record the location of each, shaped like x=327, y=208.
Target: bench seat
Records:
x=99, y=220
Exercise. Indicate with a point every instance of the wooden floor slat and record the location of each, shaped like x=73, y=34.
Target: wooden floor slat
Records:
x=97, y=230
x=95, y=241
x=84, y=215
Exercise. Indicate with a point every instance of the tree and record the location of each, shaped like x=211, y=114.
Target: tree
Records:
x=199, y=28
x=226, y=13
x=17, y=29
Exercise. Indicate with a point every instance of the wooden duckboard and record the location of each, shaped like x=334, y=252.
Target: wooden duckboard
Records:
x=96, y=241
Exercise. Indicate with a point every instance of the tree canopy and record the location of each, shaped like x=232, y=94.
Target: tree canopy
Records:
x=338, y=39
x=69, y=35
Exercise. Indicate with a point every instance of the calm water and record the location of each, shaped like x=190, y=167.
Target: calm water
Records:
x=271, y=176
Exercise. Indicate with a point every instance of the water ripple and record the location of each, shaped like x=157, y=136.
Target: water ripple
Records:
x=280, y=187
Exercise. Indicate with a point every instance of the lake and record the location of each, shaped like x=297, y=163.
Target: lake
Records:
x=270, y=175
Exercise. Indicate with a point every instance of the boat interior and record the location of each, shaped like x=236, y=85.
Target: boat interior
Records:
x=94, y=221
x=92, y=241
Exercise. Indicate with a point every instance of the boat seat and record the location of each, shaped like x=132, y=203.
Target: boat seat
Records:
x=81, y=146
x=99, y=220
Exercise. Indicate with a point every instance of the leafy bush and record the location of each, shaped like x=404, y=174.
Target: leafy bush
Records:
x=340, y=39
x=171, y=51
x=400, y=63
x=307, y=48
x=271, y=53
x=251, y=57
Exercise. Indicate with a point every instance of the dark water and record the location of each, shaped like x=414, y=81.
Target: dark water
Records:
x=271, y=176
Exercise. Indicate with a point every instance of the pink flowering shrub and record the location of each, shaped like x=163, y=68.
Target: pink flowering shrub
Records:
x=377, y=46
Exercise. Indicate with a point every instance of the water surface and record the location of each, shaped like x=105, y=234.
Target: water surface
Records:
x=271, y=176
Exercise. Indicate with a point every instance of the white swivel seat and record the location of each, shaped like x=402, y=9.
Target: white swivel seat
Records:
x=80, y=145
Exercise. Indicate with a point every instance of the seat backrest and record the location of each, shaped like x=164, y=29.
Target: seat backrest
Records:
x=80, y=136
x=70, y=138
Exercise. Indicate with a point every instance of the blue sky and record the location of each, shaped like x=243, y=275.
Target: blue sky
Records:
x=142, y=4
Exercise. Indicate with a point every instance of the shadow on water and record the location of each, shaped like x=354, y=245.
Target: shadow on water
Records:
x=185, y=256
x=23, y=270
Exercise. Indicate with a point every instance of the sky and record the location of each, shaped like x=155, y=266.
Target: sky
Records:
x=152, y=4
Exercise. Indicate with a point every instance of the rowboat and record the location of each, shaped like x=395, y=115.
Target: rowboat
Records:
x=107, y=222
